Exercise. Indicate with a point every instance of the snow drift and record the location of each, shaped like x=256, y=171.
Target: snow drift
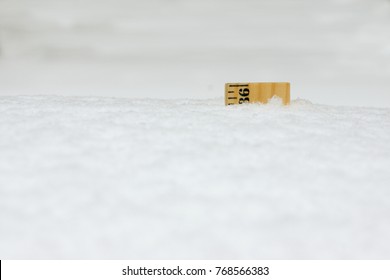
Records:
x=147, y=179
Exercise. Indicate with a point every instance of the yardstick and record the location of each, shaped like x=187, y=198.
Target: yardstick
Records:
x=238, y=93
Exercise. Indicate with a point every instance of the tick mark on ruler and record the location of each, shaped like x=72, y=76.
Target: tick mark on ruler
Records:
x=232, y=97
x=238, y=85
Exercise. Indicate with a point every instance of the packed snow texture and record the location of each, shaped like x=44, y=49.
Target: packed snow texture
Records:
x=109, y=178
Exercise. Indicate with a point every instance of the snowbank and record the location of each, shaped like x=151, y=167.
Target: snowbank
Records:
x=122, y=178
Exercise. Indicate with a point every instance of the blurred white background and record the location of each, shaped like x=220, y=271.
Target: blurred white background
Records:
x=333, y=52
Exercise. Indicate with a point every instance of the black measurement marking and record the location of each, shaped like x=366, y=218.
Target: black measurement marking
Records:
x=232, y=97
x=238, y=85
x=231, y=91
x=230, y=103
x=245, y=94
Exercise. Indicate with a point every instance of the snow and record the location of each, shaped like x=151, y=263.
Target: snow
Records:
x=125, y=178
x=115, y=143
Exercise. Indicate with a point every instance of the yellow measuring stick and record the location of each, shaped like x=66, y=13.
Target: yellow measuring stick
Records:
x=238, y=93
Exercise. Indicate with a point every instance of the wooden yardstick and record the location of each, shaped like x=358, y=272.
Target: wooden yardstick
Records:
x=238, y=93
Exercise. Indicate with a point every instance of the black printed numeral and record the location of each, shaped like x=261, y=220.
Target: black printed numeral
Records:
x=244, y=93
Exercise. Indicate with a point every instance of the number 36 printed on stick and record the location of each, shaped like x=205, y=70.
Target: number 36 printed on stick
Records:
x=239, y=93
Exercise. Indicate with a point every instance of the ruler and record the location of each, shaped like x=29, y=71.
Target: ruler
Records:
x=238, y=93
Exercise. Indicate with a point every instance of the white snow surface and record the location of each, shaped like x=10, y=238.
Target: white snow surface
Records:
x=117, y=178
